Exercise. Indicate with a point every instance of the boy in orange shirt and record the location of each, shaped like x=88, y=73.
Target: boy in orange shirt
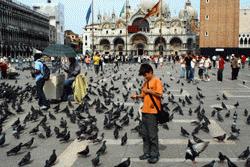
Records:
x=153, y=86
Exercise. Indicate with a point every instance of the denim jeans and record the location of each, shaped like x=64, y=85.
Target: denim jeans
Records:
x=182, y=72
x=40, y=94
x=67, y=88
x=188, y=72
x=192, y=74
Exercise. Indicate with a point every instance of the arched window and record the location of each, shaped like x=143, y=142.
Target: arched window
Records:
x=249, y=41
x=245, y=41
x=241, y=41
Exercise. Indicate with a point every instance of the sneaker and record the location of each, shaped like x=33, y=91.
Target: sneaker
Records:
x=144, y=156
x=153, y=160
x=44, y=107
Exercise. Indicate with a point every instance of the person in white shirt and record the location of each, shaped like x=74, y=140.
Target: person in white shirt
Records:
x=201, y=68
x=207, y=65
x=161, y=61
x=183, y=67
x=193, y=63
x=214, y=58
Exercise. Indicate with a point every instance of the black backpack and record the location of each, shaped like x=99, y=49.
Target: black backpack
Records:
x=45, y=72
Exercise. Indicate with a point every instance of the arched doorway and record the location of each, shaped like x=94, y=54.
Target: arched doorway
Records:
x=160, y=45
x=119, y=45
x=139, y=41
x=190, y=44
x=104, y=45
x=142, y=24
x=175, y=45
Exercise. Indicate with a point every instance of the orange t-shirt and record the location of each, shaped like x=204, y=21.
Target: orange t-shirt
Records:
x=155, y=85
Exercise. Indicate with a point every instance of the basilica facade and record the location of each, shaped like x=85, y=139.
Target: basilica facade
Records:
x=133, y=34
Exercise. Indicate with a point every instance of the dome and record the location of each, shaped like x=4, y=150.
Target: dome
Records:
x=188, y=11
x=146, y=5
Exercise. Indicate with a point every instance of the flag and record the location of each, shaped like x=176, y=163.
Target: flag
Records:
x=88, y=13
x=154, y=10
x=122, y=11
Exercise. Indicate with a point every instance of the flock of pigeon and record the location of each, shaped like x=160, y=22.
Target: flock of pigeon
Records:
x=116, y=117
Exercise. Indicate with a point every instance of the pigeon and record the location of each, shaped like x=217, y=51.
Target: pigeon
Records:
x=124, y=139
x=125, y=163
x=211, y=164
x=194, y=149
x=96, y=161
x=116, y=133
x=41, y=135
x=2, y=139
x=224, y=96
x=220, y=138
x=219, y=117
x=221, y=157
x=243, y=82
x=230, y=163
x=244, y=155
x=15, y=150
x=247, y=164
x=84, y=152
x=245, y=112
x=66, y=137
x=25, y=160
x=248, y=120
x=102, y=149
x=233, y=136
x=99, y=140
x=52, y=158
x=29, y=143
x=51, y=116
x=184, y=132
x=236, y=105
x=196, y=139
x=227, y=114
x=223, y=105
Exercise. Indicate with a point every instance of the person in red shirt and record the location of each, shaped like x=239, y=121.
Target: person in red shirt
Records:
x=4, y=67
x=221, y=64
x=243, y=61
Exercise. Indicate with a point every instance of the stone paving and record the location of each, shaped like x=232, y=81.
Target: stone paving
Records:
x=172, y=144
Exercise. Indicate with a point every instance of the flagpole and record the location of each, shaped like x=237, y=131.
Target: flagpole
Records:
x=161, y=26
x=93, y=48
x=126, y=38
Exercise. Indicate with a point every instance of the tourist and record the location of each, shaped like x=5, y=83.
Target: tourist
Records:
x=221, y=64
x=201, y=67
x=214, y=60
x=116, y=63
x=183, y=67
x=40, y=81
x=243, y=61
x=96, y=62
x=207, y=65
x=234, y=66
x=188, y=60
x=87, y=61
x=152, y=86
x=193, y=64
x=72, y=68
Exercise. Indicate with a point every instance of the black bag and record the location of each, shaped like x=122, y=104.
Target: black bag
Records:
x=163, y=115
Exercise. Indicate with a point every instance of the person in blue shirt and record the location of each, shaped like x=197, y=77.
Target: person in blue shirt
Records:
x=40, y=81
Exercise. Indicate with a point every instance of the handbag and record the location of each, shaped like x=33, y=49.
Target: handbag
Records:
x=162, y=115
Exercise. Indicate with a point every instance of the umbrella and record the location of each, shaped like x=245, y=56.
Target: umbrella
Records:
x=59, y=50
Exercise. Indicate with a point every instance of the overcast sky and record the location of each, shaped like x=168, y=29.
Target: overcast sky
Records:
x=75, y=10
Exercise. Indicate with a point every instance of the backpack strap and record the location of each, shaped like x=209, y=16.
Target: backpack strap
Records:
x=153, y=100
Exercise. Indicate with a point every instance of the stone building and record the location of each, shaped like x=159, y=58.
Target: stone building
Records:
x=144, y=34
x=55, y=11
x=219, y=26
x=21, y=29
x=244, y=36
